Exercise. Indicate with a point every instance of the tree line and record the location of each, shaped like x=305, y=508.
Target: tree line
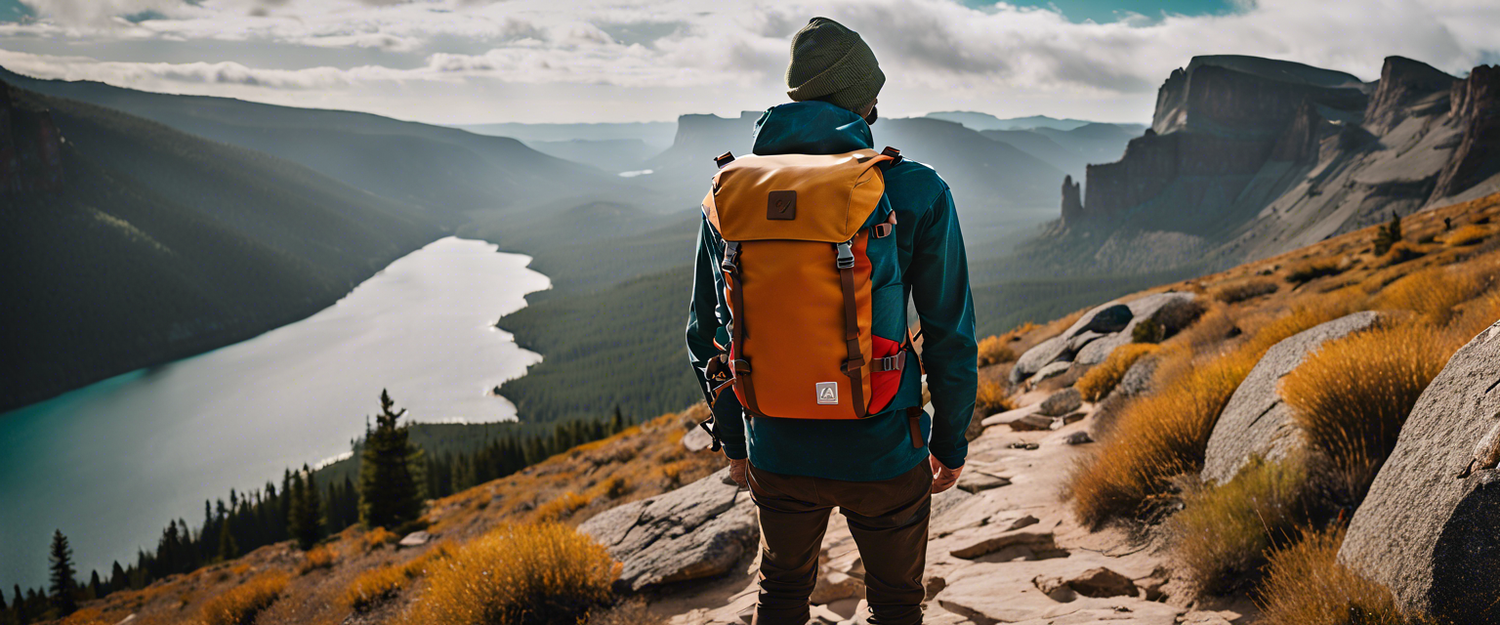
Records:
x=394, y=478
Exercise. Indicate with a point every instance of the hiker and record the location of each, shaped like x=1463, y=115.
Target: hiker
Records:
x=801, y=260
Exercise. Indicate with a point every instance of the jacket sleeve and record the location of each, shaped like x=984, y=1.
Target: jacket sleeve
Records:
x=939, y=278
x=708, y=315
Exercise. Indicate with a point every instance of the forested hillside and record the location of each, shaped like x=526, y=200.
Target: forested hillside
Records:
x=147, y=244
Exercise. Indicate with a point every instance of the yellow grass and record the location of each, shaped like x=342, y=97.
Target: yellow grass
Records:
x=1163, y=435
x=1236, y=292
x=86, y=616
x=1102, y=379
x=991, y=398
x=1433, y=293
x=995, y=350
x=1312, y=269
x=321, y=557
x=559, y=507
x=241, y=604
x=518, y=574
x=1223, y=532
x=380, y=584
x=1466, y=235
x=1352, y=396
x=1399, y=253
x=1306, y=585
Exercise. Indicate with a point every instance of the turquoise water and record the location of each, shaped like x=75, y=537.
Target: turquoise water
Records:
x=111, y=463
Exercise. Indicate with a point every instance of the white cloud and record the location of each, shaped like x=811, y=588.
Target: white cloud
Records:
x=936, y=53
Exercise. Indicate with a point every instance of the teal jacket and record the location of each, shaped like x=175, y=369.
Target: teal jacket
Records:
x=935, y=272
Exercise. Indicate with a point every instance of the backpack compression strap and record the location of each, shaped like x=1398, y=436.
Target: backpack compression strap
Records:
x=856, y=362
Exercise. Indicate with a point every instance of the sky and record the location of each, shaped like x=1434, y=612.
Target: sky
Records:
x=479, y=61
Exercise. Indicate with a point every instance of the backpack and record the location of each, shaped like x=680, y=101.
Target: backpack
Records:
x=818, y=325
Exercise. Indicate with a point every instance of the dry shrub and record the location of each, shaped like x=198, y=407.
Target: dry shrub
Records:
x=992, y=398
x=1102, y=379
x=1352, y=396
x=672, y=472
x=1236, y=292
x=1433, y=292
x=1210, y=331
x=1312, y=269
x=560, y=507
x=1399, y=253
x=321, y=557
x=241, y=604
x=995, y=350
x=1306, y=585
x=521, y=574
x=378, y=585
x=377, y=538
x=1476, y=317
x=1223, y=532
x=1164, y=435
x=1467, y=235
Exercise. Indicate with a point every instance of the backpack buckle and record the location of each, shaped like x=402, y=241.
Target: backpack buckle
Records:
x=845, y=258
x=724, y=159
x=731, y=256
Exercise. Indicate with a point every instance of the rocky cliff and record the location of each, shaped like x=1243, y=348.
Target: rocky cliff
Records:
x=1250, y=157
x=30, y=147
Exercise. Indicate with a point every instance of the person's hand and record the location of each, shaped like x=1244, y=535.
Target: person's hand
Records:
x=739, y=472
x=943, y=478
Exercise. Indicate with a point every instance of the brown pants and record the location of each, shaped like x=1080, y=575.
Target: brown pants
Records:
x=888, y=520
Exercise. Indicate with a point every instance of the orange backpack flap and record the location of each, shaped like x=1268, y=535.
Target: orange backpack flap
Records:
x=798, y=281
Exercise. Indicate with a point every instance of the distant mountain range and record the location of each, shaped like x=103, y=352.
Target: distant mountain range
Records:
x=445, y=171
x=985, y=121
x=128, y=243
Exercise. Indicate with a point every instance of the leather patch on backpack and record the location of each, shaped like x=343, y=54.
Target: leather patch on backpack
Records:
x=781, y=205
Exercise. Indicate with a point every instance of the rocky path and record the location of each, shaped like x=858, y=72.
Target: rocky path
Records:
x=1003, y=549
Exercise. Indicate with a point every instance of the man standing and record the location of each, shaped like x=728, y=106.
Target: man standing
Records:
x=874, y=469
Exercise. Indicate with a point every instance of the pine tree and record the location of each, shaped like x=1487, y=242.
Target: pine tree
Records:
x=118, y=580
x=307, y=515
x=96, y=588
x=388, y=494
x=228, y=549
x=63, y=575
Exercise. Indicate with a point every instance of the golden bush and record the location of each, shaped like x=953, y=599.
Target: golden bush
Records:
x=321, y=557
x=559, y=507
x=1433, y=293
x=1466, y=235
x=1352, y=396
x=992, y=398
x=1242, y=290
x=1306, y=585
x=1164, y=434
x=995, y=350
x=241, y=604
x=378, y=537
x=1102, y=379
x=1223, y=532
x=530, y=574
x=1312, y=269
x=377, y=585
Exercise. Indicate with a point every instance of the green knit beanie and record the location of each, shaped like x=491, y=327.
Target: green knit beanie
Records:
x=831, y=63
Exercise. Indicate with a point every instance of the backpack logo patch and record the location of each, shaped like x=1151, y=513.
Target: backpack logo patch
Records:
x=781, y=205
x=828, y=393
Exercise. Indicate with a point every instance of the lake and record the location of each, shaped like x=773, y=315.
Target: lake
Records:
x=111, y=463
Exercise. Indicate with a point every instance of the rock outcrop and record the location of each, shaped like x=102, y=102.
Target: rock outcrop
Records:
x=1475, y=106
x=1431, y=537
x=696, y=531
x=1072, y=200
x=1403, y=83
x=30, y=147
x=1257, y=422
x=1081, y=343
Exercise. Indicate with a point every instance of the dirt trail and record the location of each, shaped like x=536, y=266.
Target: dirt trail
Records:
x=1004, y=549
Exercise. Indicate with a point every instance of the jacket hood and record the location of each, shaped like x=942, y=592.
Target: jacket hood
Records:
x=810, y=127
